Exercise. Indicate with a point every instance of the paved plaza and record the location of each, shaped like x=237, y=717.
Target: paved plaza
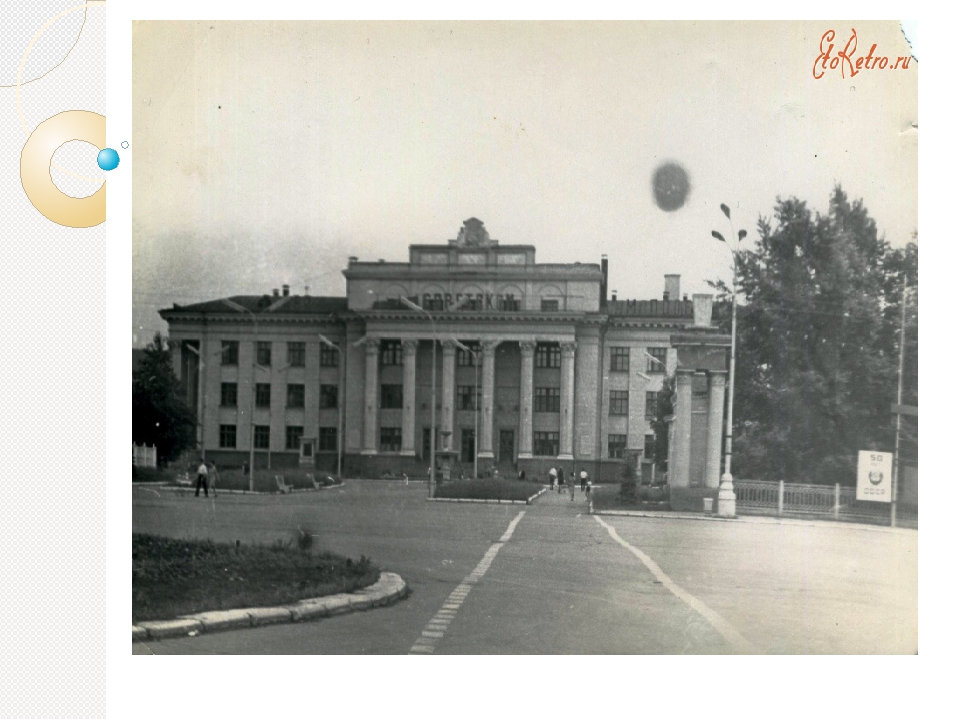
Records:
x=549, y=578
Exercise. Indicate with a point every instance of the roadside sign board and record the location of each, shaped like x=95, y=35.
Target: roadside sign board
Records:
x=874, y=473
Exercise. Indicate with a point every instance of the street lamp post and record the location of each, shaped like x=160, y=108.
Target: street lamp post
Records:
x=340, y=398
x=476, y=406
x=270, y=407
x=431, y=480
x=727, y=499
x=200, y=404
x=201, y=393
x=253, y=374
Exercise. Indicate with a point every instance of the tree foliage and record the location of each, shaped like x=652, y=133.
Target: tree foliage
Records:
x=817, y=342
x=661, y=422
x=161, y=416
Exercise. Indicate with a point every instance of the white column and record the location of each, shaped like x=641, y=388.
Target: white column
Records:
x=526, y=400
x=408, y=429
x=567, y=356
x=449, y=380
x=682, y=413
x=371, y=389
x=718, y=382
x=486, y=409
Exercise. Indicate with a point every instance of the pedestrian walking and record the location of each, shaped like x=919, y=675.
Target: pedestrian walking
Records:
x=572, y=484
x=589, y=489
x=202, y=479
x=553, y=478
x=560, y=479
x=214, y=477
x=583, y=480
x=522, y=476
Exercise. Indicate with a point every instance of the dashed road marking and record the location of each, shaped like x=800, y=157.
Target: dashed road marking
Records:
x=719, y=624
x=438, y=624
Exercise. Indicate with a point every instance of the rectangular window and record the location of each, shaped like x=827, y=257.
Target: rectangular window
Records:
x=546, y=399
x=432, y=302
x=228, y=436
x=263, y=395
x=390, y=439
x=294, y=433
x=651, y=409
x=546, y=444
x=616, y=445
x=468, y=359
x=426, y=444
x=329, y=396
x=390, y=353
x=547, y=355
x=658, y=363
x=327, y=441
x=229, y=352
x=264, y=353
x=508, y=303
x=329, y=357
x=619, y=359
x=549, y=305
x=619, y=402
x=391, y=396
x=261, y=437
x=466, y=399
x=228, y=394
x=295, y=393
x=649, y=446
x=296, y=354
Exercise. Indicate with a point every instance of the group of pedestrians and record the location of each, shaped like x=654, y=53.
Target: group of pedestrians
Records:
x=558, y=481
x=203, y=475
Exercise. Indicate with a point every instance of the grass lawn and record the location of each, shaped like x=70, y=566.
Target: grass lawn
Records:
x=488, y=489
x=608, y=498
x=177, y=577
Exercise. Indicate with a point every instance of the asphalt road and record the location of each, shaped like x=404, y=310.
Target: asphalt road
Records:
x=562, y=583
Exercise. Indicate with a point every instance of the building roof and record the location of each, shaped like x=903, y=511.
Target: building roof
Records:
x=263, y=304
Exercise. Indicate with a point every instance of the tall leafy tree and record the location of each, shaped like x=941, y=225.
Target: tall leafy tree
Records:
x=161, y=416
x=816, y=348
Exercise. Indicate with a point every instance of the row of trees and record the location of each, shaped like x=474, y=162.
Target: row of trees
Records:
x=161, y=416
x=818, y=343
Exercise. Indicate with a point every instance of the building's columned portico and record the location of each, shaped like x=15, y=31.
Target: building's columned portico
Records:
x=535, y=369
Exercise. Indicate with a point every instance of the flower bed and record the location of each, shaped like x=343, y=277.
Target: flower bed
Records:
x=178, y=577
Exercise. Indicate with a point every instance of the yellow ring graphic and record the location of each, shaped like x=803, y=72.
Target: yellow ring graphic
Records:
x=35, y=163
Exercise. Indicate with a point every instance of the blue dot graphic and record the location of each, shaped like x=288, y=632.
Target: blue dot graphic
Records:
x=108, y=159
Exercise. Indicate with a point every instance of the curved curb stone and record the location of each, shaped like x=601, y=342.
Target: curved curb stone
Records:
x=389, y=588
x=489, y=502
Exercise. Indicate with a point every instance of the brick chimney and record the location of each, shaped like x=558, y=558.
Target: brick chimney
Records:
x=286, y=290
x=702, y=309
x=671, y=287
x=603, y=283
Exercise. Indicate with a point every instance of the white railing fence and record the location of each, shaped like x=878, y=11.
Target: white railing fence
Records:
x=144, y=455
x=796, y=498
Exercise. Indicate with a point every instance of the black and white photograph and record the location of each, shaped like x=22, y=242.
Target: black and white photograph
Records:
x=525, y=338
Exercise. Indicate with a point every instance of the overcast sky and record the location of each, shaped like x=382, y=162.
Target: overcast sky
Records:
x=267, y=153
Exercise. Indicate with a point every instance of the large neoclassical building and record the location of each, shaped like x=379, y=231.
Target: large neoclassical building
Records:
x=529, y=365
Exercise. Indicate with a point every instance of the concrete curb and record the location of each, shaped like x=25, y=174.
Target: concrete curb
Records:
x=490, y=502
x=388, y=589
x=756, y=519
x=190, y=488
